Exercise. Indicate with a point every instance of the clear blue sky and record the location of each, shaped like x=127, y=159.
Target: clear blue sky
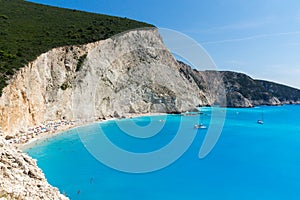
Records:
x=258, y=37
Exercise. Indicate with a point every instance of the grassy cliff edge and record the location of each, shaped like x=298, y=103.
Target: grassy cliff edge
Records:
x=28, y=30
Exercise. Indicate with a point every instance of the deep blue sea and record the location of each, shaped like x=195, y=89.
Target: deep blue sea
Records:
x=249, y=161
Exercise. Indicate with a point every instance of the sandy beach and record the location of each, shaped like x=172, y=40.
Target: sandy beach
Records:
x=40, y=133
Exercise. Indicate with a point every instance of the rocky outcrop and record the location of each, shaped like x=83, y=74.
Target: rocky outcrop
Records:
x=243, y=91
x=21, y=178
x=130, y=73
x=285, y=94
x=240, y=89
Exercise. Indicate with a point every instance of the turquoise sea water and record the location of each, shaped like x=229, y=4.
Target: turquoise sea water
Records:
x=249, y=161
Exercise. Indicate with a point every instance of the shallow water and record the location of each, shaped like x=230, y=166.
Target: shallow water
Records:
x=249, y=161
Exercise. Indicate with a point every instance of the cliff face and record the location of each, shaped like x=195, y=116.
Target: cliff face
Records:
x=240, y=89
x=285, y=94
x=21, y=178
x=243, y=91
x=129, y=73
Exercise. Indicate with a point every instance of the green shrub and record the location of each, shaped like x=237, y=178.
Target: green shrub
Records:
x=80, y=62
x=4, y=17
x=65, y=85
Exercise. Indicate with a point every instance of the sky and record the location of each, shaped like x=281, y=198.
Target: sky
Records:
x=259, y=38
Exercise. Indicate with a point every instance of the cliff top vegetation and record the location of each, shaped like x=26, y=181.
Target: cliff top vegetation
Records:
x=28, y=30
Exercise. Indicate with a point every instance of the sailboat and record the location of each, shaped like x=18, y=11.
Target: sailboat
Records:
x=261, y=121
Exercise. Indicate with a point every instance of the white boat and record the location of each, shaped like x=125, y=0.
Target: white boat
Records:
x=260, y=121
x=200, y=126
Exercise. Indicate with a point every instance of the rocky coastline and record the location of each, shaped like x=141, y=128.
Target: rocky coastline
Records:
x=131, y=74
x=21, y=178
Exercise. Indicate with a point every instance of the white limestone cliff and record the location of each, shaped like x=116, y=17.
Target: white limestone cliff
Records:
x=130, y=73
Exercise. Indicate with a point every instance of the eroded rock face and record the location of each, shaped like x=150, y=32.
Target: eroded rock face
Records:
x=129, y=73
x=239, y=89
x=20, y=178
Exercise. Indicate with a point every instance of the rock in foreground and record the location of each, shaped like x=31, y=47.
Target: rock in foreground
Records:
x=21, y=178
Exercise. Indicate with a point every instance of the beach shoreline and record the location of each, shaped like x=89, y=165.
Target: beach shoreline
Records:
x=45, y=136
